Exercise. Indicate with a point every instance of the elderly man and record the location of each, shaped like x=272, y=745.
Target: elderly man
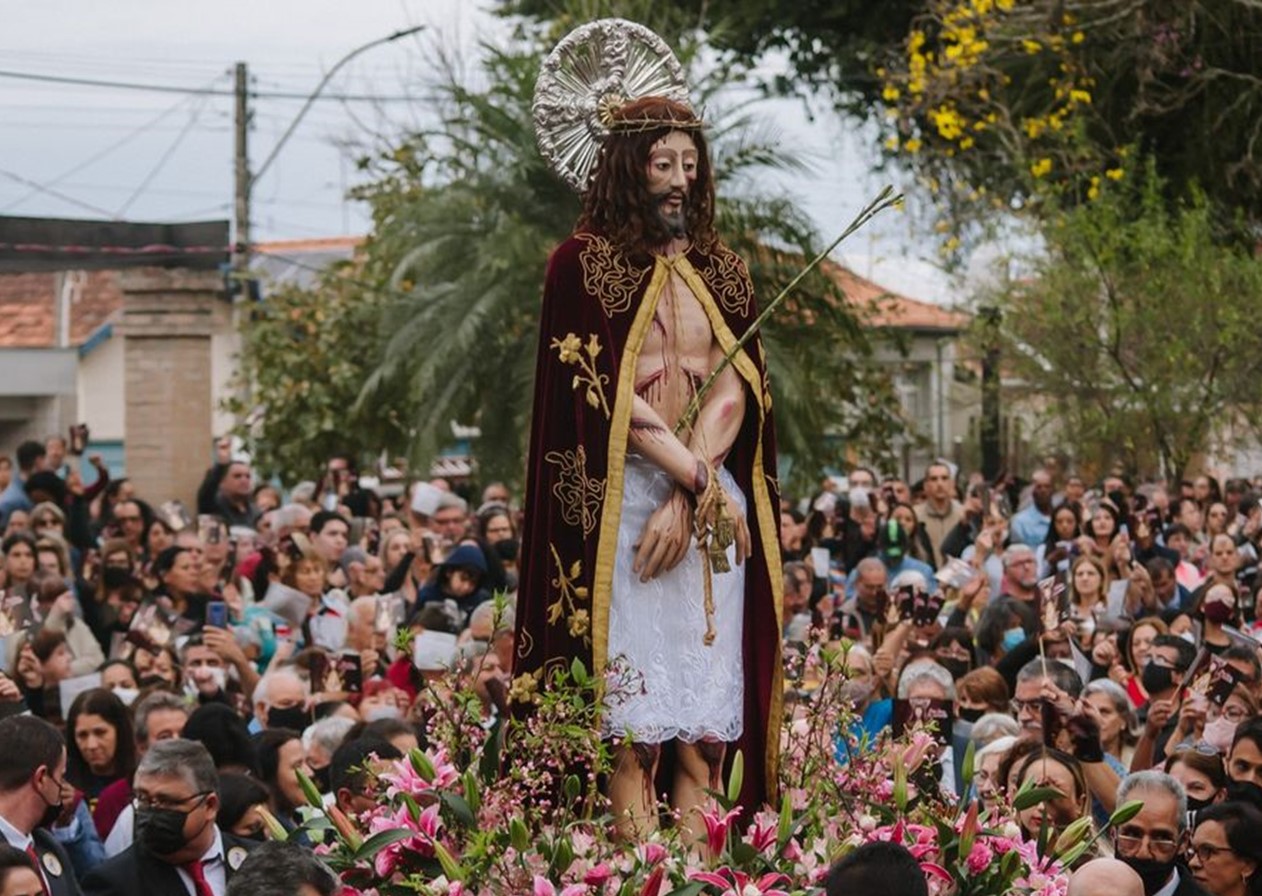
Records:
x=179, y=850
x=280, y=700
x=1153, y=842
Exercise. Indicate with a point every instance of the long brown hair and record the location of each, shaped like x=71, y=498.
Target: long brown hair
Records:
x=618, y=203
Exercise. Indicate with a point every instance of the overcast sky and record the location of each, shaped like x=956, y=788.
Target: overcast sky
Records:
x=95, y=152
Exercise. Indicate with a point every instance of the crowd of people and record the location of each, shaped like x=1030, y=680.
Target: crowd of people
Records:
x=1099, y=638
x=168, y=672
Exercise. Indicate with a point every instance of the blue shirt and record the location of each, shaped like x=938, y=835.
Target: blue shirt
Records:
x=1030, y=527
x=13, y=498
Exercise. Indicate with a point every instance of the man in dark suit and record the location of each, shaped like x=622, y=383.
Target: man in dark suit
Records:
x=178, y=850
x=32, y=788
x=1154, y=841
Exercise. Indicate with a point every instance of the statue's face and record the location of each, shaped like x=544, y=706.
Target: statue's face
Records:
x=671, y=169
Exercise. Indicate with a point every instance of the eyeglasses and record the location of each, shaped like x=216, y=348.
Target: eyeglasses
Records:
x=144, y=801
x=1207, y=851
x=1035, y=705
x=127, y=519
x=1129, y=840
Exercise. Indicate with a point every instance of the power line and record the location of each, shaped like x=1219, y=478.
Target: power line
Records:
x=40, y=188
x=204, y=91
x=166, y=156
x=97, y=156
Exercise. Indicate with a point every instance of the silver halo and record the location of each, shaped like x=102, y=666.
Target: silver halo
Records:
x=595, y=67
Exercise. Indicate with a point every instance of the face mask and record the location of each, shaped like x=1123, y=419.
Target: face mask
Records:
x=1012, y=638
x=1196, y=805
x=320, y=777
x=382, y=712
x=113, y=577
x=1217, y=613
x=294, y=717
x=957, y=667
x=52, y=813
x=856, y=692
x=127, y=695
x=970, y=715
x=161, y=831
x=1219, y=734
x=1156, y=679
x=1154, y=874
x=1246, y=791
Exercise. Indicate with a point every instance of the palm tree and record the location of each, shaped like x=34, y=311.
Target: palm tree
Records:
x=468, y=250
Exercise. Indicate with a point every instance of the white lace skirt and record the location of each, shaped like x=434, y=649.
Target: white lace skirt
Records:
x=690, y=691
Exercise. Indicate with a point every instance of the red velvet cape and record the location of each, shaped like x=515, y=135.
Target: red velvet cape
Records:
x=597, y=307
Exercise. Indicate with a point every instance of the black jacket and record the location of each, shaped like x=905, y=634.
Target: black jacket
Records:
x=54, y=864
x=134, y=872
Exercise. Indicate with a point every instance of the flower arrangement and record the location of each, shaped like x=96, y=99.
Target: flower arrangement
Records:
x=449, y=823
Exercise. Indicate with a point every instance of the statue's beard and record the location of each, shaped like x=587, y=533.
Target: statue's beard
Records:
x=673, y=218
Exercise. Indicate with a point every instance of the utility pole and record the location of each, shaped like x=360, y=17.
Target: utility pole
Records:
x=991, y=416
x=241, y=205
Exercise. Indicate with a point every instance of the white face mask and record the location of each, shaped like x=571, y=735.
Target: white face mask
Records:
x=127, y=695
x=382, y=712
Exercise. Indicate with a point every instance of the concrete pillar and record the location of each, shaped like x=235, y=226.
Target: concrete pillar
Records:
x=166, y=326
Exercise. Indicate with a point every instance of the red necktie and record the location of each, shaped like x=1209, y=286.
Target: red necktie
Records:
x=30, y=851
x=201, y=886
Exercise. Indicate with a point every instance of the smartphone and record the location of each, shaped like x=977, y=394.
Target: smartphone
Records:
x=351, y=672
x=78, y=441
x=217, y=614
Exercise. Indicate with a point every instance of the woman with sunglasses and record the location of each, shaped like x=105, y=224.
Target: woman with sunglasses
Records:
x=1226, y=852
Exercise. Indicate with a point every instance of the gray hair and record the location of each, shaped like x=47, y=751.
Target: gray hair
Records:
x=994, y=727
x=909, y=577
x=1121, y=702
x=1153, y=781
x=1015, y=552
x=925, y=670
x=263, y=687
x=868, y=563
x=1064, y=677
x=999, y=745
x=178, y=758
x=155, y=702
x=328, y=733
x=449, y=500
x=279, y=868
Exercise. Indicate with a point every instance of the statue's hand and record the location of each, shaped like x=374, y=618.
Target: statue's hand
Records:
x=744, y=543
x=666, y=538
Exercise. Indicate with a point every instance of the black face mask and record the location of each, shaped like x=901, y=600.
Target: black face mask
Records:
x=320, y=776
x=1153, y=873
x=957, y=667
x=294, y=718
x=1156, y=679
x=1246, y=791
x=970, y=715
x=1196, y=805
x=51, y=814
x=161, y=831
x=114, y=577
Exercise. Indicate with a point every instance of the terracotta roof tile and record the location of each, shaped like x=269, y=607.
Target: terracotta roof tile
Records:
x=879, y=307
x=27, y=307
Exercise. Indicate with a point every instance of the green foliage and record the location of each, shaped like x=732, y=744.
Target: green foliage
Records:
x=467, y=252
x=305, y=355
x=1140, y=328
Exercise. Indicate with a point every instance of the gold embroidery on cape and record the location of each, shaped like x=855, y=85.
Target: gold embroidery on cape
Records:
x=608, y=275
x=729, y=281
x=571, y=351
x=571, y=593
x=580, y=497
